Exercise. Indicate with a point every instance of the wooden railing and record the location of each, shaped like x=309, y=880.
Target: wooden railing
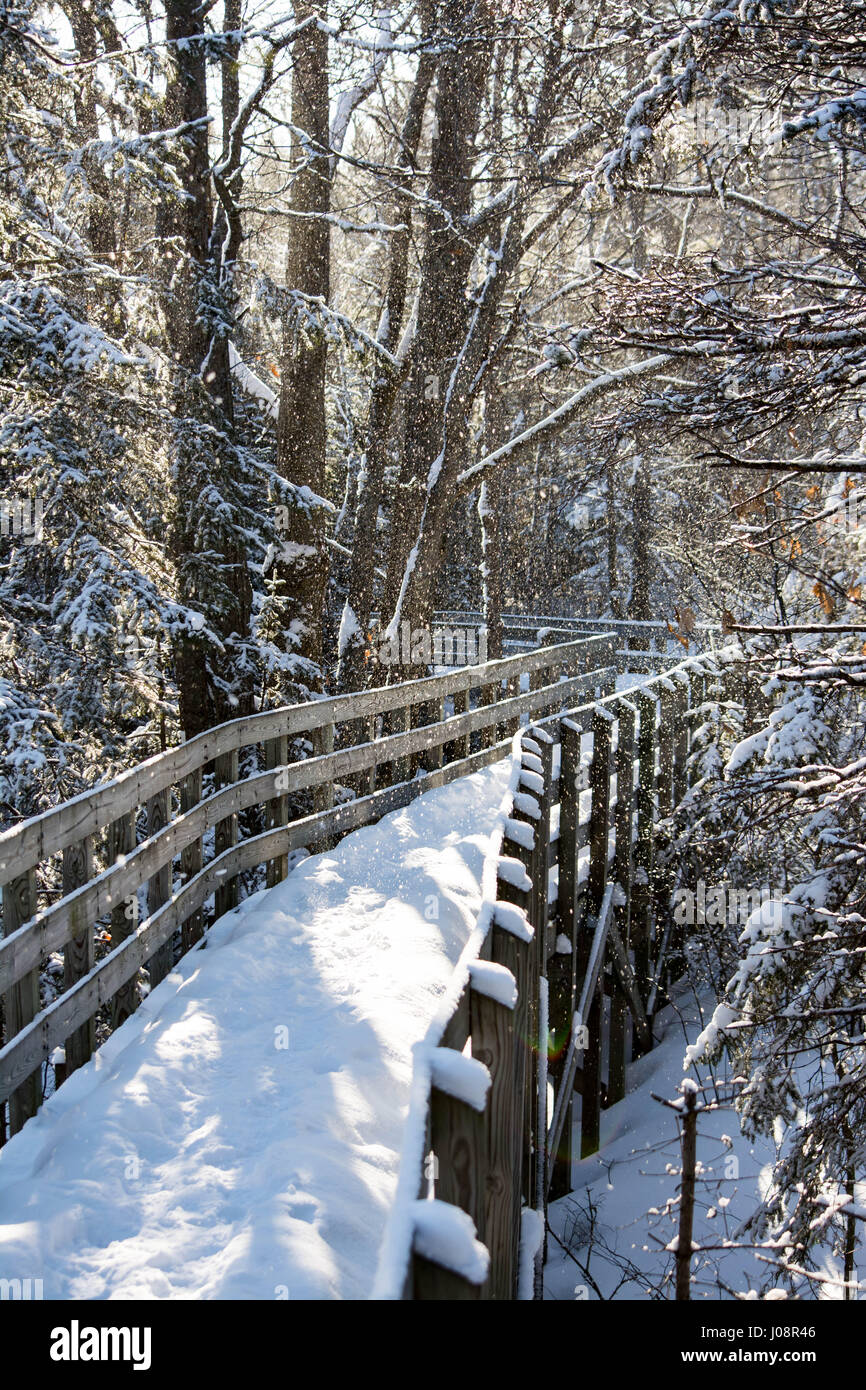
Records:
x=183, y=827
x=560, y=988
x=520, y=630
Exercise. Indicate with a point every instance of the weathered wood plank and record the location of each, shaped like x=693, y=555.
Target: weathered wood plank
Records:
x=432, y=1283
x=459, y=1025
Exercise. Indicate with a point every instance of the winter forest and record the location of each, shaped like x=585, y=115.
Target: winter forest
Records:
x=319, y=327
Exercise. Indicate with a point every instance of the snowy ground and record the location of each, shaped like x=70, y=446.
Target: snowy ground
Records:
x=636, y=1172
x=240, y=1136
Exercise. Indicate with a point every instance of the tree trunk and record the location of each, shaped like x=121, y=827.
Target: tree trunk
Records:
x=302, y=572
x=435, y=422
x=641, y=539
x=384, y=393
x=218, y=586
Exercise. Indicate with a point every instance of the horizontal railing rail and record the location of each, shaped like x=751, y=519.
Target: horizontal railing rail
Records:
x=476, y=618
x=208, y=827
x=53, y=831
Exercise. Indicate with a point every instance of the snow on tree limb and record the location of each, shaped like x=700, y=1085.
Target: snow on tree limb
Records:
x=559, y=418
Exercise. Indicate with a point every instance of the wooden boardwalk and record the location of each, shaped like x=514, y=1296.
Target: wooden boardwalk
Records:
x=152, y=856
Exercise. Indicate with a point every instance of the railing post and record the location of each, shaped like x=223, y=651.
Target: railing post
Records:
x=276, y=811
x=323, y=743
x=661, y=881
x=365, y=732
x=599, y=824
x=599, y=830
x=78, y=951
x=666, y=691
x=461, y=747
x=623, y=816
x=540, y=873
x=124, y=916
x=681, y=738
x=516, y=955
x=225, y=833
x=434, y=755
x=191, y=858
x=642, y=901
x=457, y=1142
x=21, y=1003
x=509, y=727
x=489, y=696
x=494, y=1044
x=523, y=851
x=680, y=785
x=159, y=888
x=561, y=965
x=395, y=721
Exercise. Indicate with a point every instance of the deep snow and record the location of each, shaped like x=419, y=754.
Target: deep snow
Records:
x=622, y=1192
x=240, y=1136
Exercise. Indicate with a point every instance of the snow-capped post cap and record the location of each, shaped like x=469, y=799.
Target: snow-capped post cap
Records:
x=445, y=1235
x=519, y=833
x=527, y=805
x=512, y=872
x=494, y=981
x=464, y=1078
x=513, y=919
x=530, y=779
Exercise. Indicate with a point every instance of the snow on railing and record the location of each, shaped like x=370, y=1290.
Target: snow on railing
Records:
x=524, y=1011
x=205, y=825
x=466, y=1146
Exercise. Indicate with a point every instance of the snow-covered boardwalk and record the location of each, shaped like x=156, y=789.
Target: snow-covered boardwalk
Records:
x=240, y=1136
